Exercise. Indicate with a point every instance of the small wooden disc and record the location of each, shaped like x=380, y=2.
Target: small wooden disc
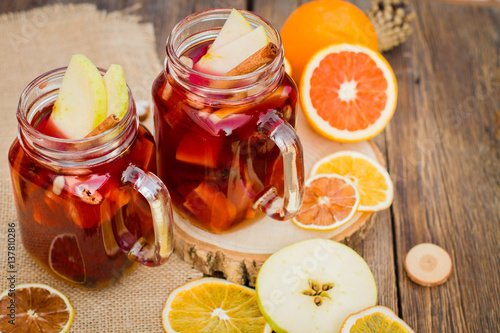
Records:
x=428, y=264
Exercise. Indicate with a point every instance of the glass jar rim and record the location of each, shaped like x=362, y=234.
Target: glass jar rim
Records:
x=69, y=152
x=38, y=81
x=173, y=54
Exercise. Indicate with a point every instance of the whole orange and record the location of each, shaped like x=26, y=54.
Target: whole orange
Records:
x=317, y=24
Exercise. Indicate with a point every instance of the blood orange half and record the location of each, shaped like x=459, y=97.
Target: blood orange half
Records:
x=348, y=92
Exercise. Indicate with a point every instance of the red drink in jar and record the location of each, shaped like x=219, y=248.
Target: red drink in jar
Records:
x=226, y=144
x=82, y=212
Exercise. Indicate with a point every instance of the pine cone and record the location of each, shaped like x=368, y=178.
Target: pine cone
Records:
x=391, y=19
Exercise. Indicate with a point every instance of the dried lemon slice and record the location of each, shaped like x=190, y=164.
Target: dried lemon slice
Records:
x=372, y=180
x=213, y=305
x=375, y=319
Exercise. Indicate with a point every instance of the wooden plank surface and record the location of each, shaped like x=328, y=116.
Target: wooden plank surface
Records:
x=442, y=148
x=444, y=158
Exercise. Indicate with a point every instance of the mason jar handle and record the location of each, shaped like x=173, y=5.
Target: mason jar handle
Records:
x=155, y=192
x=287, y=140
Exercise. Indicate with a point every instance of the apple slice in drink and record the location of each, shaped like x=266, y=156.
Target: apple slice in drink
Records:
x=225, y=58
x=235, y=27
x=116, y=91
x=81, y=102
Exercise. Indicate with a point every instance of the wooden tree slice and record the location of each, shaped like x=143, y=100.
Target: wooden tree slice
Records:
x=428, y=265
x=237, y=255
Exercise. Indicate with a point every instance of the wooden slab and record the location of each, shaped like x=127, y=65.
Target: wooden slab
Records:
x=238, y=254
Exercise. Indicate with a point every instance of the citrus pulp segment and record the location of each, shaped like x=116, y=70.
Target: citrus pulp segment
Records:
x=329, y=202
x=348, y=93
x=371, y=179
x=38, y=308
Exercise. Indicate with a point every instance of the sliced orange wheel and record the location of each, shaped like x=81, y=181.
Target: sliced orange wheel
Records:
x=374, y=320
x=329, y=202
x=372, y=180
x=348, y=92
x=213, y=305
x=37, y=308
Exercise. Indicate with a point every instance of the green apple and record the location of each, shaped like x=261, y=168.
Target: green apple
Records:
x=116, y=91
x=225, y=58
x=81, y=102
x=235, y=27
x=313, y=286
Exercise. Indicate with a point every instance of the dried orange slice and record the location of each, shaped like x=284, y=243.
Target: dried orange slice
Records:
x=36, y=308
x=213, y=305
x=66, y=260
x=348, y=92
x=375, y=319
x=372, y=180
x=329, y=202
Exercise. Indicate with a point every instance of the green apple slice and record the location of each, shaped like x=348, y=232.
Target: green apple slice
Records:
x=81, y=102
x=225, y=58
x=235, y=27
x=116, y=91
x=313, y=286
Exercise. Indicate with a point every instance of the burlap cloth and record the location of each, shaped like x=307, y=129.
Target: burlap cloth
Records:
x=43, y=39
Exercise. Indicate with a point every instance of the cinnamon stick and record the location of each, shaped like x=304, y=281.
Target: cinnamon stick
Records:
x=105, y=125
x=260, y=58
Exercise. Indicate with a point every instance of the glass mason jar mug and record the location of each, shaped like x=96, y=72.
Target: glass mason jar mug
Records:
x=88, y=209
x=226, y=146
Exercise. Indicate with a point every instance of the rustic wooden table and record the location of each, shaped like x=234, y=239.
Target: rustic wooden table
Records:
x=442, y=149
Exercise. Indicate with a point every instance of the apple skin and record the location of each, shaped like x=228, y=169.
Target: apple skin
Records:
x=81, y=103
x=285, y=276
x=235, y=27
x=225, y=58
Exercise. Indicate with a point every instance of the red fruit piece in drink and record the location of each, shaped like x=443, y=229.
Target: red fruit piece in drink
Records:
x=211, y=207
x=46, y=209
x=241, y=193
x=198, y=150
x=144, y=154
